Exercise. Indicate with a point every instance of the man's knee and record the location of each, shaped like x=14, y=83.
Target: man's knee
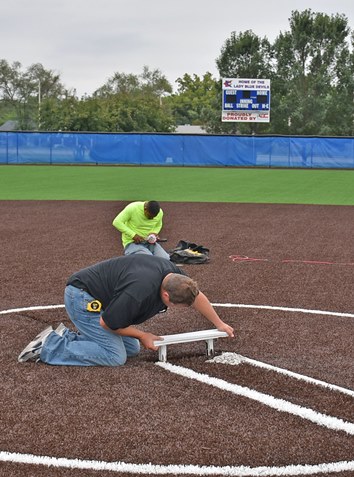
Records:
x=133, y=350
x=130, y=350
x=143, y=250
x=132, y=346
x=133, y=249
x=160, y=252
x=116, y=359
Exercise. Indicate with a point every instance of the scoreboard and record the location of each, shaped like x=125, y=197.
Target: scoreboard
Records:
x=245, y=100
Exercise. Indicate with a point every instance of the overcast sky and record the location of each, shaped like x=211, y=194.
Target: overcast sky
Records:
x=88, y=41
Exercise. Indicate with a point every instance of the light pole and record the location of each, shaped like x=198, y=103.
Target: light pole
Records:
x=39, y=105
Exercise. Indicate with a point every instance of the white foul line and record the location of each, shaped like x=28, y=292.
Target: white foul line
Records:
x=236, y=359
x=270, y=401
x=240, y=471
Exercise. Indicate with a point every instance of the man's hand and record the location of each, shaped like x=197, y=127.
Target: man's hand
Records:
x=147, y=340
x=203, y=305
x=227, y=328
x=138, y=239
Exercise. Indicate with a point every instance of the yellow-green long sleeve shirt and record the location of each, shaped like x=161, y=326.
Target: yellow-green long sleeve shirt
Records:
x=132, y=221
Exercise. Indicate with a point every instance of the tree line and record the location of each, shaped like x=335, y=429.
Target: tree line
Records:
x=311, y=68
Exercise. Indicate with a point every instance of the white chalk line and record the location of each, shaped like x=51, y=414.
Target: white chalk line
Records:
x=234, y=359
x=30, y=308
x=281, y=405
x=239, y=471
x=284, y=308
x=226, y=305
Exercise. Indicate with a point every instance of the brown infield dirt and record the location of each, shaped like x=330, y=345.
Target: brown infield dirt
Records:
x=142, y=413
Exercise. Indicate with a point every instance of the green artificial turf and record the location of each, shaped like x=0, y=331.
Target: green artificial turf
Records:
x=177, y=184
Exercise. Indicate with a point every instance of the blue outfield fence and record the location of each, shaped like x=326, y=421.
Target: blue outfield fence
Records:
x=176, y=150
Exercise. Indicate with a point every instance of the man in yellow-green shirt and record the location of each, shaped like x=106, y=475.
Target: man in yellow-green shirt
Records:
x=140, y=224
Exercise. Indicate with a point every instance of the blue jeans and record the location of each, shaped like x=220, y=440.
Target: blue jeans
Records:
x=93, y=345
x=150, y=249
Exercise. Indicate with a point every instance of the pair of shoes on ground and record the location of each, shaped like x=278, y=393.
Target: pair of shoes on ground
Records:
x=34, y=348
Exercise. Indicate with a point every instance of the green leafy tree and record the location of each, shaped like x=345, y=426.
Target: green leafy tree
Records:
x=306, y=82
x=125, y=103
x=138, y=113
x=245, y=55
x=194, y=97
x=135, y=103
x=340, y=109
x=13, y=92
x=23, y=91
x=71, y=114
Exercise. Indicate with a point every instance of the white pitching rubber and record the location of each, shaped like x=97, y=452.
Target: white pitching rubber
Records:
x=205, y=335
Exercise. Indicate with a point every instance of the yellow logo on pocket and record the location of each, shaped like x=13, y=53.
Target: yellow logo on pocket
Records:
x=94, y=306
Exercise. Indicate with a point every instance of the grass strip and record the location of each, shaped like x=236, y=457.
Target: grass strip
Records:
x=177, y=184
